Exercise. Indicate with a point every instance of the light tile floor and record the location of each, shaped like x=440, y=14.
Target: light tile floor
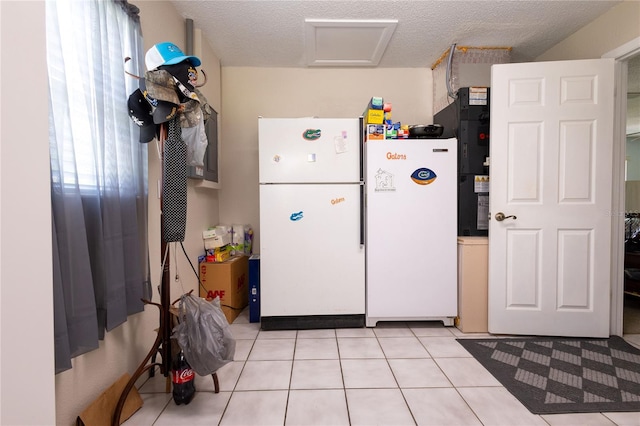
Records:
x=394, y=374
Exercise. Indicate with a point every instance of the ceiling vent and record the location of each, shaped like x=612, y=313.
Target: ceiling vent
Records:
x=347, y=42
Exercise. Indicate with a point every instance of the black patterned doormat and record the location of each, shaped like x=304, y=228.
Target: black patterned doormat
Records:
x=564, y=375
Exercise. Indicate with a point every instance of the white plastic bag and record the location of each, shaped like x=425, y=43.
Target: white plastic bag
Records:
x=196, y=140
x=203, y=334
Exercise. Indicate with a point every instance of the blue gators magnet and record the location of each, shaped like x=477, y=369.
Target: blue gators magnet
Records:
x=423, y=176
x=296, y=216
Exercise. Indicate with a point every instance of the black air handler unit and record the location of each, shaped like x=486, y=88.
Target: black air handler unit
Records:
x=467, y=119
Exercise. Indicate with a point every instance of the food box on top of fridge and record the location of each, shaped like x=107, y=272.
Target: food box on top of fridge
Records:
x=228, y=280
x=375, y=131
x=374, y=116
x=376, y=102
x=374, y=112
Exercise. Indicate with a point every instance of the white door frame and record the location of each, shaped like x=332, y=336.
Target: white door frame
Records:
x=621, y=55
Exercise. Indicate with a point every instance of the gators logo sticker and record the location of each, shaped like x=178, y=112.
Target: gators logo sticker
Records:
x=423, y=176
x=312, y=134
x=296, y=216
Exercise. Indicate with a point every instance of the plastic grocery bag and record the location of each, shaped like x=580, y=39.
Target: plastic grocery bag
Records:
x=196, y=140
x=203, y=334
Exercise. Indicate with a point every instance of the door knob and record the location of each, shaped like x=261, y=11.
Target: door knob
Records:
x=500, y=217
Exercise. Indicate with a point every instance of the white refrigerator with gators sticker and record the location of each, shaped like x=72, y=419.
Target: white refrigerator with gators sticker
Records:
x=312, y=252
x=411, y=230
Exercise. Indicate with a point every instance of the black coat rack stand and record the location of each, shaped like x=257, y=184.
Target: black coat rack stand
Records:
x=162, y=344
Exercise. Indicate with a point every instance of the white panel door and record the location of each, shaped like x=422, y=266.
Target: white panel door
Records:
x=311, y=259
x=551, y=172
x=309, y=150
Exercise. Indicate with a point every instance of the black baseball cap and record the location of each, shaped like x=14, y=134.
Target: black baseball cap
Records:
x=185, y=75
x=140, y=112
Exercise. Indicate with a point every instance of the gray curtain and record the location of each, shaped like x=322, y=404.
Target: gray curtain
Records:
x=98, y=173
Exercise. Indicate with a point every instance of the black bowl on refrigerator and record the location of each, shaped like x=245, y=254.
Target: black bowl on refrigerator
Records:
x=425, y=131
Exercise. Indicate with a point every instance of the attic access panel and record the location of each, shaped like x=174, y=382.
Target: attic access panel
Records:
x=347, y=42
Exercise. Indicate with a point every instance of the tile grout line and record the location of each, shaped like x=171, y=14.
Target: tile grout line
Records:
x=404, y=398
x=293, y=357
x=233, y=389
x=344, y=387
x=165, y=405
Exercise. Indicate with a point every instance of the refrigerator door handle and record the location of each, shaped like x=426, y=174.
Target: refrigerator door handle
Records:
x=361, y=147
x=362, y=213
x=362, y=187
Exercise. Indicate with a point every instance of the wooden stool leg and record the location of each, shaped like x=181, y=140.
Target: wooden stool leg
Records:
x=216, y=385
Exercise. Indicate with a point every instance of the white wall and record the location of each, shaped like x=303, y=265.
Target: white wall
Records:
x=26, y=299
x=248, y=93
x=611, y=30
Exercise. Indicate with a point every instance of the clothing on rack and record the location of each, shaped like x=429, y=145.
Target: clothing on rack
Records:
x=174, y=184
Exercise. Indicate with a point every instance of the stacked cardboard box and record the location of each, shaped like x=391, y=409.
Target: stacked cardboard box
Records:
x=228, y=280
x=379, y=122
x=374, y=113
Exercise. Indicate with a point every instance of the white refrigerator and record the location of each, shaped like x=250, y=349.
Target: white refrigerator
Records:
x=312, y=253
x=411, y=230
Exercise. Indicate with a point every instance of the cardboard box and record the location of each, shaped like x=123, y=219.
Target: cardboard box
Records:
x=218, y=254
x=101, y=411
x=376, y=102
x=375, y=132
x=228, y=280
x=473, y=278
x=374, y=116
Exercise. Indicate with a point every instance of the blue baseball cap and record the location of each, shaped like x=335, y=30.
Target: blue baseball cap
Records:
x=167, y=53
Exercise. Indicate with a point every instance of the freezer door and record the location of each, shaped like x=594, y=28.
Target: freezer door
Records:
x=311, y=259
x=411, y=229
x=309, y=150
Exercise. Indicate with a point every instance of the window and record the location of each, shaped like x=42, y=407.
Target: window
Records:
x=98, y=172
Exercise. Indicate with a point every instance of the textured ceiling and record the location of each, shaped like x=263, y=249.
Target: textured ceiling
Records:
x=267, y=33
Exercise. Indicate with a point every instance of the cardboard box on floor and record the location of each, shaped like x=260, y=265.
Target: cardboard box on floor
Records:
x=100, y=412
x=230, y=281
